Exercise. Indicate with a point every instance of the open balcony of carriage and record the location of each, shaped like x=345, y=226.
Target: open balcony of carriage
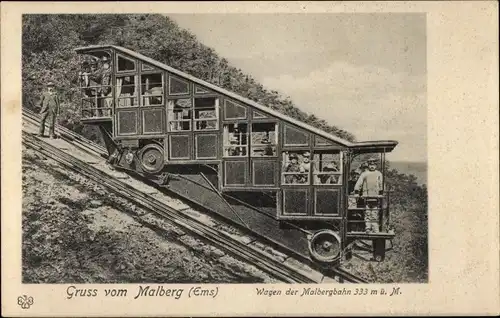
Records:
x=128, y=85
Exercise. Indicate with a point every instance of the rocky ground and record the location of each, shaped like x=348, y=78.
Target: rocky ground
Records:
x=404, y=261
x=75, y=232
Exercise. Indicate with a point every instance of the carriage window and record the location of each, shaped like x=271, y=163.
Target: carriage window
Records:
x=296, y=167
x=206, y=111
x=295, y=201
x=258, y=115
x=152, y=89
x=263, y=172
x=147, y=67
x=95, y=83
x=264, y=139
x=179, y=114
x=177, y=86
x=200, y=90
x=327, y=168
x=234, y=111
x=126, y=91
x=125, y=64
x=235, y=140
x=295, y=137
x=321, y=141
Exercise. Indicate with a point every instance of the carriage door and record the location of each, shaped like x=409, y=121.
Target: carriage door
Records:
x=235, y=138
x=206, y=126
x=295, y=174
x=327, y=169
x=127, y=102
x=179, y=119
x=263, y=153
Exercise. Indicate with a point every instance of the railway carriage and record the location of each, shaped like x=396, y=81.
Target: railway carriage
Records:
x=266, y=172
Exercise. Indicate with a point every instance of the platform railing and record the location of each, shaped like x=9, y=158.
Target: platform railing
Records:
x=358, y=206
x=95, y=106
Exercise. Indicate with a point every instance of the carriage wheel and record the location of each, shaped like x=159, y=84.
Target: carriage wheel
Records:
x=324, y=246
x=151, y=158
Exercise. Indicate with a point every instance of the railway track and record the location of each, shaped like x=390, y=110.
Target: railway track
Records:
x=87, y=159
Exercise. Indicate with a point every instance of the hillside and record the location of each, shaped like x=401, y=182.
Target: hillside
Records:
x=76, y=232
x=48, y=54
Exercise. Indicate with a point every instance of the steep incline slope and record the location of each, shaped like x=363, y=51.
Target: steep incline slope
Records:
x=73, y=231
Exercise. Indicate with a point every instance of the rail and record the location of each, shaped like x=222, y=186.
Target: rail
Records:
x=241, y=250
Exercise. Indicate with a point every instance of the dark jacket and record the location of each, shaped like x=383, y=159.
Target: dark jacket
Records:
x=50, y=103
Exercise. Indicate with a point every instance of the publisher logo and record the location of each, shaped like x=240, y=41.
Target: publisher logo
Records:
x=24, y=301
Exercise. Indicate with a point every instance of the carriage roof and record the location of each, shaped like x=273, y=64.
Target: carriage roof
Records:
x=360, y=147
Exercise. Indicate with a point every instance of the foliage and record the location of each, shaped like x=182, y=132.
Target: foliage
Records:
x=407, y=261
x=409, y=217
x=48, y=54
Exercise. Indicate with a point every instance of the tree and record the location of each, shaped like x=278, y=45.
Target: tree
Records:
x=48, y=54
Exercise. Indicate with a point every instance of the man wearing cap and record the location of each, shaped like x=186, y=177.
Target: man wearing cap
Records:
x=306, y=163
x=49, y=104
x=371, y=181
x=103, y=76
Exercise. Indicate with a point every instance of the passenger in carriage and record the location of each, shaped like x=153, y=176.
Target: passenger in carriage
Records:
x=98, y=83
x=157, y=98
x=234, y=139
x=353, y=178
x=331, y=178
x=268, y=149
x=105, y=89
x=295, y=166
x=84, y=75
x=306, y=163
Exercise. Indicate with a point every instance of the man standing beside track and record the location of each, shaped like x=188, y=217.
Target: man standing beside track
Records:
x=50, y=108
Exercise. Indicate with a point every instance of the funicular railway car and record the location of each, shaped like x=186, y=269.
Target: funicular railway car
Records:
x=266, y=172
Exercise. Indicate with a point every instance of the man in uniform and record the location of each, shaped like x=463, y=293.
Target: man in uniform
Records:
x=49, y=104
x=371, y=181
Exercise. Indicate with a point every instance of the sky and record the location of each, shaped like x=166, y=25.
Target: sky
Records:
x=362, y=72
